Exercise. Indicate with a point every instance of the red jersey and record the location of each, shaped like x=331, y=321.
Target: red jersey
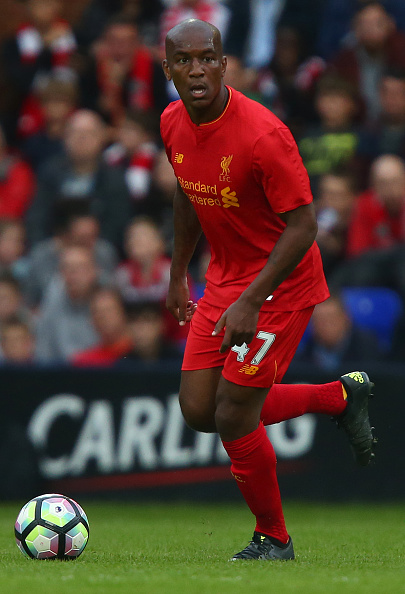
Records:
x=372, y=227
x=239, y=171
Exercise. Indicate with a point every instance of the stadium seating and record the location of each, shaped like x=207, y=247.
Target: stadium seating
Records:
x=375, y=308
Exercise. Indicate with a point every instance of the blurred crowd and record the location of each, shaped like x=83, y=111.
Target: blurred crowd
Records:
x=86, y=189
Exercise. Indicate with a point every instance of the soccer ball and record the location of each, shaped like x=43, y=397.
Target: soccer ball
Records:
x=51, y=526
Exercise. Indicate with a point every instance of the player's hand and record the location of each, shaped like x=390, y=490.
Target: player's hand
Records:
x=240, y=323
x=178, y=301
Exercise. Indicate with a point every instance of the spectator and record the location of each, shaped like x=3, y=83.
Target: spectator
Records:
x=305, y=17
x=145, y=274
x=264, y=16
x=378, y=220
x=81, y=174
x=387, y=134
x=376, y=237
x=17, y=184
x=17, y=343
x=12, y=248
x=336, y=19
x=288, y=81
x=160, y=197
x=43, y=45
x=124, y=74
x=98, y=13
x=242, y=79
x=77, y=228
x=335, y=202
x=58, y=99
x=146, y=327
x=64, y=324
x=334, y=141
x=11, y=300
x=109, y=320
x=238, y=28
x=135, y=151
x=334, y=340
x=214, y=12
x=377, y=46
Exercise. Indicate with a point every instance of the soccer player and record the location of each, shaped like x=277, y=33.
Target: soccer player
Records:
x=242, y=182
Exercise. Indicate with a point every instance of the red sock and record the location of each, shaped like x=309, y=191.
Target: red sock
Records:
x=287, y=401
x=254, y=468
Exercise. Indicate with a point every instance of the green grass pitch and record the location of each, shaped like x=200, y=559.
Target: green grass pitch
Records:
x=176, y=549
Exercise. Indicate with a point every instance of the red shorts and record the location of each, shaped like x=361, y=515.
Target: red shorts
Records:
x=261, y=363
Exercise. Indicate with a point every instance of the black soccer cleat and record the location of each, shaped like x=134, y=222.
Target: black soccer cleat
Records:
x=355, y=420
x=262, y=548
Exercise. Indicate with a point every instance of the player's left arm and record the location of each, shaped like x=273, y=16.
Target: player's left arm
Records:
x=240, y=319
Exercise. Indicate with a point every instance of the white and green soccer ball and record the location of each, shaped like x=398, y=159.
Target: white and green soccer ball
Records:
x=51, y=526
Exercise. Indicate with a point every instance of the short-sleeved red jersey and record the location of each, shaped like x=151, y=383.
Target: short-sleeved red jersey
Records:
x=239, y=171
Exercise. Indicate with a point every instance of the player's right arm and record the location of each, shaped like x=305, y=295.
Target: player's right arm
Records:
x=187, y=231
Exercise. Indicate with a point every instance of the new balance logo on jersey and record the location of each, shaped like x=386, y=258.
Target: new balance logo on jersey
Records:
x=178, y=158
x=249, y=369
x=229, y=198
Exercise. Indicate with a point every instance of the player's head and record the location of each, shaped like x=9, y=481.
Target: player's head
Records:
x=196, y=64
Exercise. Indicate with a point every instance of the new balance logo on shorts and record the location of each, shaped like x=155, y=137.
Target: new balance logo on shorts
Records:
x=248, y=369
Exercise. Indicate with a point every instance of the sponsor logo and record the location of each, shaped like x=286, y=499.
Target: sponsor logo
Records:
x=249, y=369
x=136, y=434
x=197, y=186
x=194, y=189
x=225, y=163
x=229, y=198
x=356, y=376
x=178, y=158
x=237, y=477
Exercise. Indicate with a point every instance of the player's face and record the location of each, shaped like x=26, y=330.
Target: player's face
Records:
x=196, y=66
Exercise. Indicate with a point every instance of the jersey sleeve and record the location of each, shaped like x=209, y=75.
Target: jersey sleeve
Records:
x=278, y=168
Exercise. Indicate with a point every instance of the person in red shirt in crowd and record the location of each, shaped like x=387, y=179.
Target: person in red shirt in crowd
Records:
x=58, y=100
x=144, y=276
x=124, y=74
x=378, y=219
x=43, y=45
x=241, y=182
x=109, y=320
x=135, y=150
x=17, y=183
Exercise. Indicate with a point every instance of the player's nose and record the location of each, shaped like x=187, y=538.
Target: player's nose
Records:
x=196, y=68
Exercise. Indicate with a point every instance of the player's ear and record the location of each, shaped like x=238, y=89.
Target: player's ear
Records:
x=166, y=70
x=224, y=63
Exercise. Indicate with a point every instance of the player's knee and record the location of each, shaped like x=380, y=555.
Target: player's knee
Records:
x=196, y=417
x=229, y=417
